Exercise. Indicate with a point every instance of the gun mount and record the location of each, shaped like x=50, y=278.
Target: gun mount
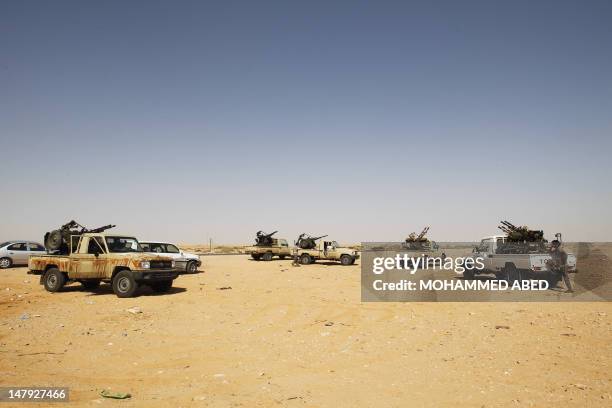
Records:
x=418, y=242
x=521, y=240
x=58, y=241
x=263, y=239
x=306, y=241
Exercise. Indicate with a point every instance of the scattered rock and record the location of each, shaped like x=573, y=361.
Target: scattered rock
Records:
x=134, y=310
x=329, y=323
x=224, y=288
x=24, y=316
x=115, y=395
x=499, y=326
x=568, y=334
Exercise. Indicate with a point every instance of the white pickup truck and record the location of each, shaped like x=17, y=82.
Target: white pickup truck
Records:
x=512, y=267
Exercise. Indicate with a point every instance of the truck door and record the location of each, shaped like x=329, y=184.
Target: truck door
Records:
x=90, y=260
x=485, y=250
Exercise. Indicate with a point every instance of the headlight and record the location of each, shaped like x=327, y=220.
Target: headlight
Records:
x=145, y=264
x=174, y=264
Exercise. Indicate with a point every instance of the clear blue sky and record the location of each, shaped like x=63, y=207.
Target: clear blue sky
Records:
x=364, y=120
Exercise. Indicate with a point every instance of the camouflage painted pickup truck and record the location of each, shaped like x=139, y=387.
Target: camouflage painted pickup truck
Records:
x=95, y=257
x=326, y=251
x=277, y=247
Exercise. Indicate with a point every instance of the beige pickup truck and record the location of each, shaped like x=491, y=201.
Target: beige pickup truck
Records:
x=279, y=247
x=326, y=250
x=97, y=257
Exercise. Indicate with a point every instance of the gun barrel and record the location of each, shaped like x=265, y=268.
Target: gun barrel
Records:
x=101, y=229
x=509, y=225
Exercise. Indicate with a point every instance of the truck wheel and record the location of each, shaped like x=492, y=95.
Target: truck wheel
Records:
x=54, y=280
x=553, y=280
x=6, y=263
x=90, y=284
x=192, y=267
x=305, y=259
x=281, y=257
x=255, y=256
x=124, y=284
x=161, y=286
x=468, y=274
x=512, y=274
x=346, y=260
x=267, y=256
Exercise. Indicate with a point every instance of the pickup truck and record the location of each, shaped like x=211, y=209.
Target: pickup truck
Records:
x=326, y=250
x=98, y=257
x=512, y=267
x=279, y=247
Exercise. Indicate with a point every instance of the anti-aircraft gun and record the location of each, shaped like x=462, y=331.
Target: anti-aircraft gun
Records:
x=306, y=241
x=58, y=241
x=521, y=240
x=263, y=239
x=418, y=242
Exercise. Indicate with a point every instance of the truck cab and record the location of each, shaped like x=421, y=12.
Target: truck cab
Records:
x=487, y=247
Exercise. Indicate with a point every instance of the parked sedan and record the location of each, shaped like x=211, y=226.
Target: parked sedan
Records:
x=185, y=261
x=18, y=252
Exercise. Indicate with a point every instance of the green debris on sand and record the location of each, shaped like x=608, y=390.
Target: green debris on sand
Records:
x=115, y=395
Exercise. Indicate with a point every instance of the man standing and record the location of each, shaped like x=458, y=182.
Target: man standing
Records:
x=558, y=263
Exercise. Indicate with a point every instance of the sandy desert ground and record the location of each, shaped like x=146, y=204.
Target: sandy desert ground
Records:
x=246, y=333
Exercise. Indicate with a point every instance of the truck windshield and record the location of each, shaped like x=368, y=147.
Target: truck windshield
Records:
x=123, y=244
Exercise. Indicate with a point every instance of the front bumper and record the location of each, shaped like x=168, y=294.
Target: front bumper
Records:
x=181, y=266
x=155, y=275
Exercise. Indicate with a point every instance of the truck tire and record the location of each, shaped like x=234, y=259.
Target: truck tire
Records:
x=281, y=257
x=553, y=280
x=468, y=274
x=267, y=256
x=256, y=256
x=346, y=260
x=6, y=263
x=161, y=286
x=124, y=285
x=511, y=273
x=90, y=284
x=54, y=280
x=192, y=267
x=305, y=259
